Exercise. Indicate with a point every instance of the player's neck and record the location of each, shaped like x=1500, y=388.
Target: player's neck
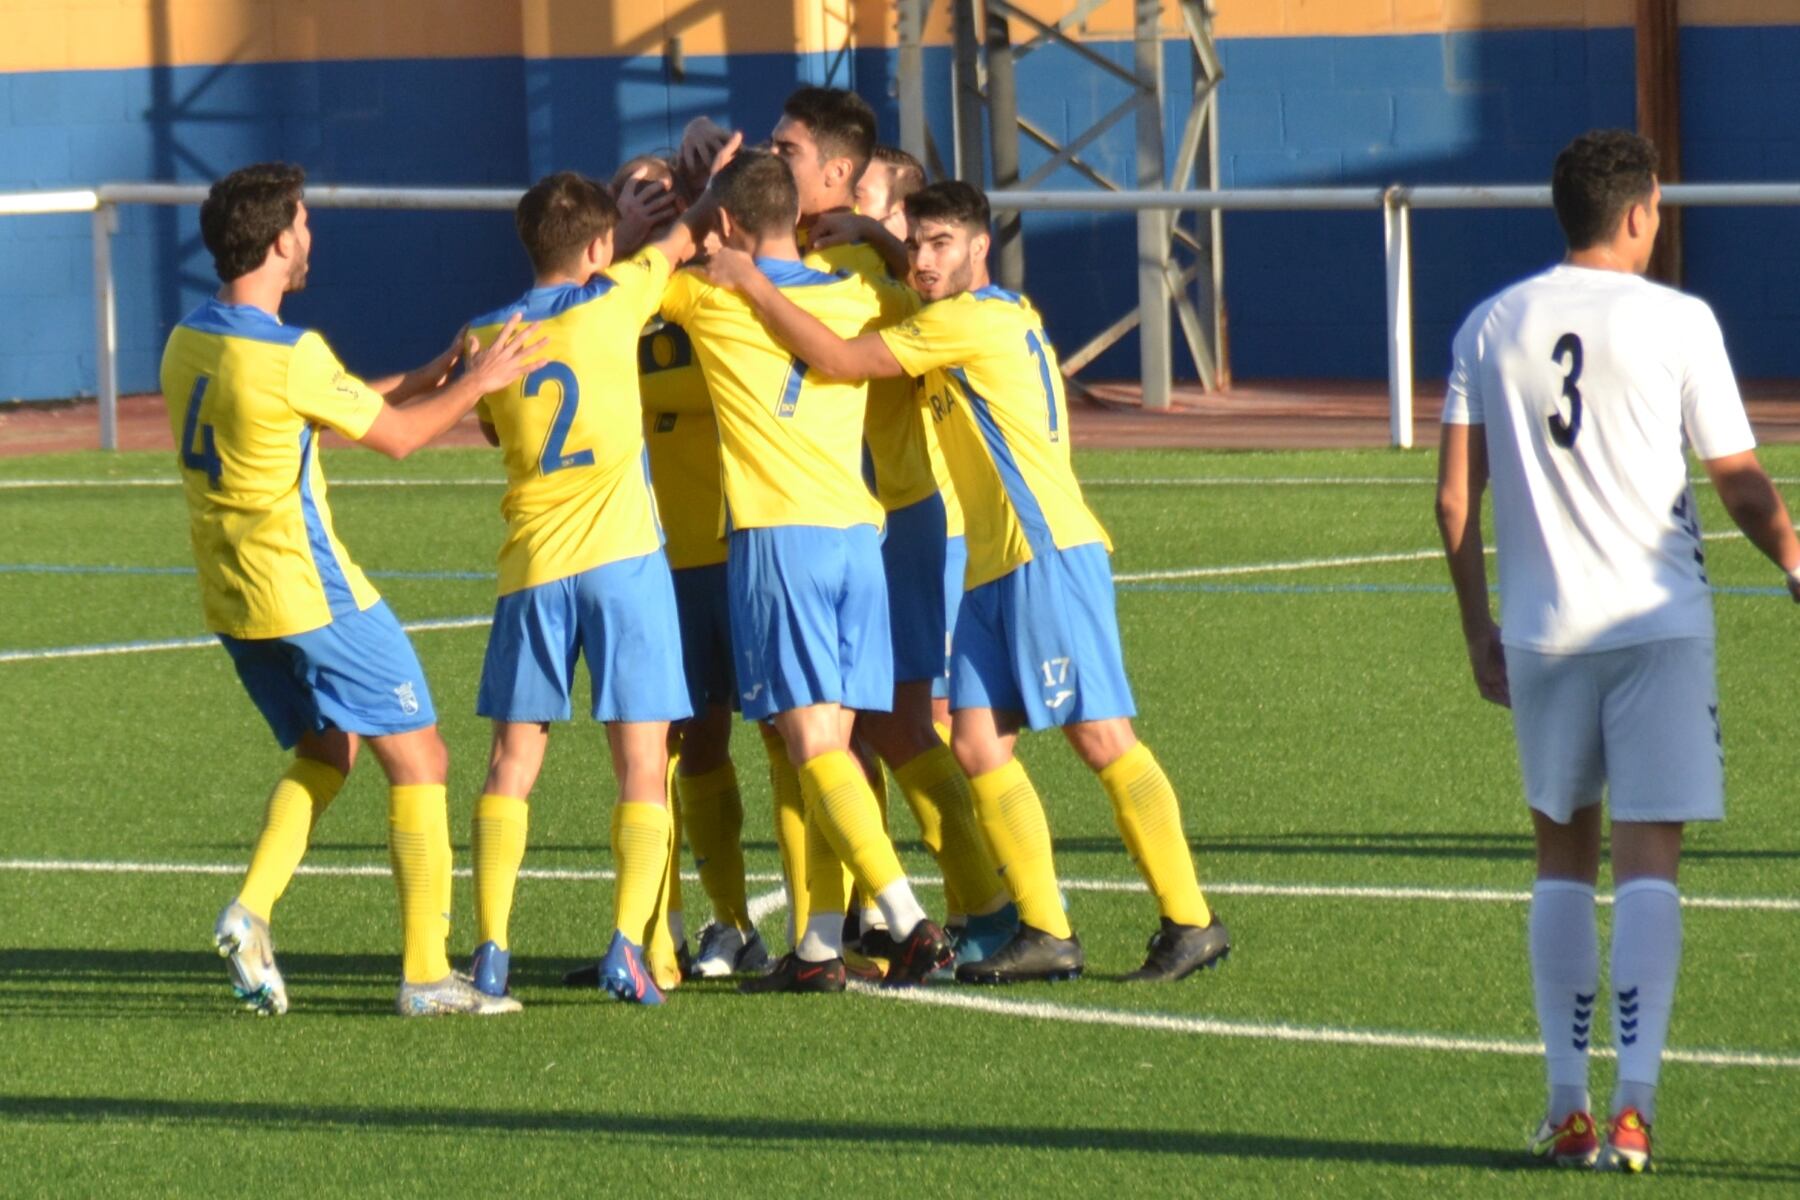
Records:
x=780, y=246
x=1601, y=258
x=255, y=291
x=560, y=279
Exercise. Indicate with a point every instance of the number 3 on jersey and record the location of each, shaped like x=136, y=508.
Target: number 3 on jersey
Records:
x=1563, y=432
x=554, y=456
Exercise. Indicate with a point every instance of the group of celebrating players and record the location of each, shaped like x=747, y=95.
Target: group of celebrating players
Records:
x=774, y=444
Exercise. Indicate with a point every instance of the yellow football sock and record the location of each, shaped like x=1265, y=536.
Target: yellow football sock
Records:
x=712, y=811
x=790, y=825
x=827, y=883
x=300, y=797
x=1012, y=816
x=641, y=857
x=667, y=925
x=498, y=843
x=837, y=791
x=938, y=792
x=1149, y=819
x=419, y=848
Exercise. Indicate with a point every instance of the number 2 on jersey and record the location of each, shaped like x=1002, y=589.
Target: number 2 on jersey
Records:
x=1563, y=432
x=554, y=456
x=204, y=457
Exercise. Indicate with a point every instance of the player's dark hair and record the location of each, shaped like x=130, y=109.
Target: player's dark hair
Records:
x=906, y=173
x=1597, y=179
x=841, y=123
x=561, y=214
x=246, y=211
x=758, y=190
x=953, y=202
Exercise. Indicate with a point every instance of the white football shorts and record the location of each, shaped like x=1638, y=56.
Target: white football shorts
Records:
x=1640, y=723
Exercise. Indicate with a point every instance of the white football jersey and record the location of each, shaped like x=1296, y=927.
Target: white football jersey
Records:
x=1591, y=385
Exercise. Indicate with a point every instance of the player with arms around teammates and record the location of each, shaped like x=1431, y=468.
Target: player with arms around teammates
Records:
x=582, y=570
x=1036, y=640
x=807, y=594
x=1576, y=394
x=320, y=653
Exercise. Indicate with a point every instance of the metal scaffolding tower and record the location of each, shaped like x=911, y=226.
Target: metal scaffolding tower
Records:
x=1179, y=268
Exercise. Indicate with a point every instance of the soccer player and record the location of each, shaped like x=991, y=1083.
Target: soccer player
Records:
x=891, y=176
x=1037, y=639
x=319, y=651
x=827, y=138
x=1576, y=393
x=804, y=581
x=683, y=442
x=582, y=570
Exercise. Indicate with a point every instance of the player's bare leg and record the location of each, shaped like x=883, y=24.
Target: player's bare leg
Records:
x=497, y=841
x=1148, y=817
x=299, y=798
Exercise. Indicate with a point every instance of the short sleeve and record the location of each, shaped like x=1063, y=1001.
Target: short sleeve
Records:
x=323, y=392
x=898, y=301
x=639, y=282
x=681, y=296
x=938, y=335
x=1462, y=399
x=1712, y=411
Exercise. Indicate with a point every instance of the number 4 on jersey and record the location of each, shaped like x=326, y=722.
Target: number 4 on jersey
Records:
x=1563, y=432
x=205, y=455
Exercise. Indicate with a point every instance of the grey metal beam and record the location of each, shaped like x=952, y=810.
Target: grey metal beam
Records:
x=1003, y=140
x=1155, y=368
x=969, y=149
x=913, y=133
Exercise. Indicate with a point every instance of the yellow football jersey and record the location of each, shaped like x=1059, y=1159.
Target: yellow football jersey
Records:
x=246, y=397
x=683, y=439
x=996, y=398
x=577, y=487
x=790, y=443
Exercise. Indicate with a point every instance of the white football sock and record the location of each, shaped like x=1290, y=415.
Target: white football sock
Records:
x=901, y=909
x=1646, y=956
x=823, y=939
x=1565, y=973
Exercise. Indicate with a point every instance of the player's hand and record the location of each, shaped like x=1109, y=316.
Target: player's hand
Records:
x=435, y=373
x=701, y=143
x=1487, y=658
x=515, y=351
x=837, y=229
x=644, y=205
x=730, y=269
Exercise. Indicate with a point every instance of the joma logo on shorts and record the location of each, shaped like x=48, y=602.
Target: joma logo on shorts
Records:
x=409, y=700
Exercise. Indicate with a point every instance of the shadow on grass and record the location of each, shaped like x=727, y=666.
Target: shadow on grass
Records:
x=809, y=1132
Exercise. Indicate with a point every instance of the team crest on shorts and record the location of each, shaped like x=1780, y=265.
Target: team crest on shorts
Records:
x=409, y=700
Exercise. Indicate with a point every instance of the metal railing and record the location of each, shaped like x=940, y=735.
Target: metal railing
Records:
x=1395, y=203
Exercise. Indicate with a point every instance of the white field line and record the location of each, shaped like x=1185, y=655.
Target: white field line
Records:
x=1299, y=564
x=1167, y=481
x=197, y=643
x=1282, y=891
x=1279, y=1032
x=765, y=905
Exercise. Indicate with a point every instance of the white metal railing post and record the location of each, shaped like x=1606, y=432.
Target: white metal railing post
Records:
x=1397, y=226
x=106, y=325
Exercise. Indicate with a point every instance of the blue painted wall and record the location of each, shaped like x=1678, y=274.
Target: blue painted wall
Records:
x=1305, y=292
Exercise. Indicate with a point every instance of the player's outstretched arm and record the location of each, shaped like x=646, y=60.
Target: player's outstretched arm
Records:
x=1749, y=496
x=864, y=357
x=1462, y=478
x=399, y=388
x=683, y=240
x=399, y=429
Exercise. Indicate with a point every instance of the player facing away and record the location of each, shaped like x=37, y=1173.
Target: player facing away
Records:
x=1575, y=393
x=804, y=581
x=683, y=442
x=320, y=653
x=582, y=570
x=827, y=138
x=1037, y=641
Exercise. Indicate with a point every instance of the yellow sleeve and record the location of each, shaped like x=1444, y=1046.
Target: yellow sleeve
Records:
x=681, y=297
x=937, y=335
x=639, y=282
x=898, y=301
x=323, y=392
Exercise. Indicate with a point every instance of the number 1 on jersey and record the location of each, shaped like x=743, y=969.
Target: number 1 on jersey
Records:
x=205, y=456
x=1036, y=347
x=1563, y=432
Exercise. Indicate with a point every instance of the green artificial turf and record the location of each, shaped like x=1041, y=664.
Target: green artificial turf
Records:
x=1319, y=723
